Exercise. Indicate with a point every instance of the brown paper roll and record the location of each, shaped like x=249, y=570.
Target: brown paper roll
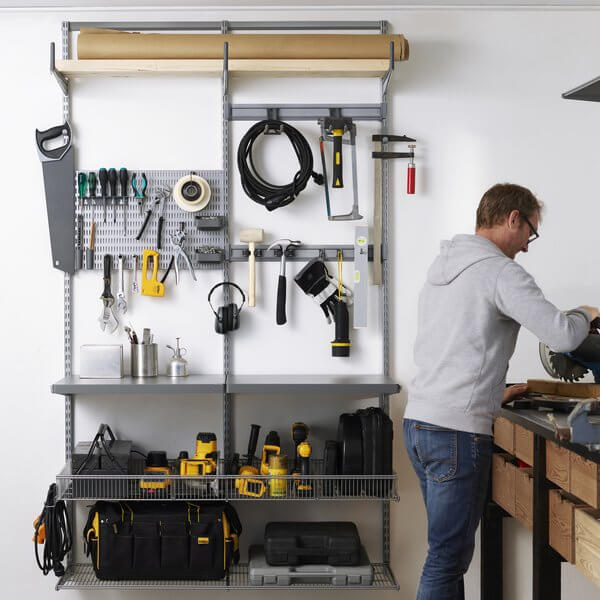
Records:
x=110, y=44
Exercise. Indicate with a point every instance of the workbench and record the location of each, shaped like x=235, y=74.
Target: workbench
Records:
x=546, y=584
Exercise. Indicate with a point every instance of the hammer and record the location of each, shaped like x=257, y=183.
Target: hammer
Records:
x=281, y=283
x=251, y=237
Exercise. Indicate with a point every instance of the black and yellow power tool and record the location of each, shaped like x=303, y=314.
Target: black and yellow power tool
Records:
x=271, y=447
x=247, y=485
x=302, y=457
x=156, y=464
x=205, y=457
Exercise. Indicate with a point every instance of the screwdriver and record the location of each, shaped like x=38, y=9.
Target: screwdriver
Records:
x=112, y=180
x=92, y=182
x=124, y=179
x=81, y=186
x=103, y=177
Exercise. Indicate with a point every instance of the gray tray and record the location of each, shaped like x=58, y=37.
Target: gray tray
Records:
x=261, y=573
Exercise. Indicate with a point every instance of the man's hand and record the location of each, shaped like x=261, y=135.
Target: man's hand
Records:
x=592, y=311
x=511, y=392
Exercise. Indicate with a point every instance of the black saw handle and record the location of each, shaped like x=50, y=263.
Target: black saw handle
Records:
x=42, y=137
x=281, y=296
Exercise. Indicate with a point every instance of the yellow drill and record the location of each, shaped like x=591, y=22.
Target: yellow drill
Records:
x=205, y=458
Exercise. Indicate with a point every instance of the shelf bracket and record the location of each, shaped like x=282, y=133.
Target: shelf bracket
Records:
x=386, y=78
x=226, y=70
x=62, y=81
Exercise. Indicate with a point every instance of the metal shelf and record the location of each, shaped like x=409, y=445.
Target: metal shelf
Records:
x=360, y=386
x=222, y=487
x=80, y=576
x=365, y=386
x=192, y=384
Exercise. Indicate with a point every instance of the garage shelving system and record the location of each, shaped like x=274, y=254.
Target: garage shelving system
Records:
x=375, y=488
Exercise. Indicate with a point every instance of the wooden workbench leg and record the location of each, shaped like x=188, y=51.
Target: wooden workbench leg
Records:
x=491, y=552
x=546, y=562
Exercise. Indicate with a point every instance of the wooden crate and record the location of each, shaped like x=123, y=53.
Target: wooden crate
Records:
x=561, y=533
x=503, y=481
x=524, y=444
x=524, y=496
x=587, y=542
x=557, y=465
x=585, y=479
x=504, y=434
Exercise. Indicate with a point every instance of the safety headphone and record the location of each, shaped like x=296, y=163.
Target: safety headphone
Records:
x=228, y=316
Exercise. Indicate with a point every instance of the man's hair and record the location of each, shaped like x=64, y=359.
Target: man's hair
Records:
x=501, y=199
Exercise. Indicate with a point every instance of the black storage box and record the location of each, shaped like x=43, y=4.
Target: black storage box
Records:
x=162, y=540
x=101, y=456
x=333, y=543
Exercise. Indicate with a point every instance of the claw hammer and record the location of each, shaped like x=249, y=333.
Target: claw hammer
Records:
x=281, y=282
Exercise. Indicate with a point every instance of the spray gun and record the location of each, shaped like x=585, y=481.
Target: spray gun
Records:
x=333, y=298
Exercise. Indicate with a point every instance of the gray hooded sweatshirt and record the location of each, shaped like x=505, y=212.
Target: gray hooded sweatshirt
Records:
x=470, y=311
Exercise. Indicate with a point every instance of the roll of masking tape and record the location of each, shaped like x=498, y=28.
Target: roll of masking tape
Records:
x=192, y=193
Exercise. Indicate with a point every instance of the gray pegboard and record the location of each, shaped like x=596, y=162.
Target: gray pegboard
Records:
x=110, y=238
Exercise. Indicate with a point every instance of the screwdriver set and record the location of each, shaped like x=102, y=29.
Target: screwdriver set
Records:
x=124, y=212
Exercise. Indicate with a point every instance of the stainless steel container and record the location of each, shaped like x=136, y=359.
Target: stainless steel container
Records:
x=144, y=360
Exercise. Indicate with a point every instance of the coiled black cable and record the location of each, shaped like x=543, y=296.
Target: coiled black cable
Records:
x=273, y=196
x=59, y=540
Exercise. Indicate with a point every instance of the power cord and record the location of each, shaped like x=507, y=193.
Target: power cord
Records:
x=267, y=194
x=53, y=525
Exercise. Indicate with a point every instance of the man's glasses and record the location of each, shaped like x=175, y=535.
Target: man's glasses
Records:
x=534, y=234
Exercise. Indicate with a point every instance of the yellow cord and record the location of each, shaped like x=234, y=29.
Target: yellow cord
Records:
x=340, y=256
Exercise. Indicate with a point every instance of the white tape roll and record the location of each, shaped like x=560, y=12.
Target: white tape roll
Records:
x=192, y=193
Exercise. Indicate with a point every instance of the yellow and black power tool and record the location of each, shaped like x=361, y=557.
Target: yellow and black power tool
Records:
x=205, y=458
x=302, y=457
x=156, y=464
x=248, y=484
x=271, y=447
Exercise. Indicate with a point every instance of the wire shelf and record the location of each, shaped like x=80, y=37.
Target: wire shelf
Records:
x=80, y=576
x=137, y=486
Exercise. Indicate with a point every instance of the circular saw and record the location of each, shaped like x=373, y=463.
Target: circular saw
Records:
x=573, y=366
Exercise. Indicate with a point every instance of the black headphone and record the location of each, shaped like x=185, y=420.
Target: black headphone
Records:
x=228, y=316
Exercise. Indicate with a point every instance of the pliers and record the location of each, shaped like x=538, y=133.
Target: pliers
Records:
x=177, y=240
x=139, y=186
x=162, y=195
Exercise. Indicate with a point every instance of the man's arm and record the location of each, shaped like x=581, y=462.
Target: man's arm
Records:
x=519, y=297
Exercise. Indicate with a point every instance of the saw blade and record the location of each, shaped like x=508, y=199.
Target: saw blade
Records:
x=566, y=367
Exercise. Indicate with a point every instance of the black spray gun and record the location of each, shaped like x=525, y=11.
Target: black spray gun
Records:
x=333, y=298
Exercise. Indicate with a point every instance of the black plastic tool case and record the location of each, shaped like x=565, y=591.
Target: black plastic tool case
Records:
x=331, y=543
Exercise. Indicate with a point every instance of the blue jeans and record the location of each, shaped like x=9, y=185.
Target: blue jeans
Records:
x=453, y=469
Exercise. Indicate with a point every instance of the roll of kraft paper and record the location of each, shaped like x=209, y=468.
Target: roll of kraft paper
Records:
x=110, y=44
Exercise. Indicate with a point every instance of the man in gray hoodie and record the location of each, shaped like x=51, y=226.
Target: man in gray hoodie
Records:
x=474, y=301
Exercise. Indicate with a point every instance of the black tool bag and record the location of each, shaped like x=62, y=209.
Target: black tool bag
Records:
x=317, y=543
x=162, y=540
x=365, y=447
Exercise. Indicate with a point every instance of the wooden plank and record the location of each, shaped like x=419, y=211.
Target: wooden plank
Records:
x=561, y=388
x=503, y=482
x=558, y=465
x=587, y=543
x=292, y=67
x=585, y=479
x=562, y=523
x=524, y=444
x=524, y=496
x=504, y=431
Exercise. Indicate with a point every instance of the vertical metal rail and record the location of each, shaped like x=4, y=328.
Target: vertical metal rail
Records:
x=384, y=401
x=67, y=312
x=227, y=399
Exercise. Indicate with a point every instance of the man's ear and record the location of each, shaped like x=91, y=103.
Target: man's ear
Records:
x=513, y=219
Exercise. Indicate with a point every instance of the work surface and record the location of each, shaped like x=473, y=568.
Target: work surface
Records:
x=537, y=421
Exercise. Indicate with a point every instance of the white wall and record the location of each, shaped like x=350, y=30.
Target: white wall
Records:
x=481, y=93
